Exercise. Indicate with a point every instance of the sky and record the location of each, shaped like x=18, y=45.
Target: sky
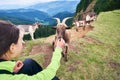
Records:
x=26, y=2
x=21, y=2
x=4, y=4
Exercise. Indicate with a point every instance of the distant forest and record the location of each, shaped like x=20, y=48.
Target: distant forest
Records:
x=100, y=6
x=46, y=30
x=42, y=31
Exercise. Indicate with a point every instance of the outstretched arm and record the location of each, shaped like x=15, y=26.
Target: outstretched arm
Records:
x=46, y=74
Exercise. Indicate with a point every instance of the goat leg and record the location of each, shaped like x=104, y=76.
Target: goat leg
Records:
x=77, y=29
x=66, y=51
x=53, y=43
x=83, y=27
x=62, y=54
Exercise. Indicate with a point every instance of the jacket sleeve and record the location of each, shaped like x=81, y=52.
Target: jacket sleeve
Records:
x=46, y=74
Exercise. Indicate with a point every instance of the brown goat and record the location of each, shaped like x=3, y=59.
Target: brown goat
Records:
x=61, y=32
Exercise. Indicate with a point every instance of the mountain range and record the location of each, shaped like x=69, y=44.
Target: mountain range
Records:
x=19, y=16
x=43, y=12
x=55, y=7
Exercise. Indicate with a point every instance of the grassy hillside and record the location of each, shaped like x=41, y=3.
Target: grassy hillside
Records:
x=96, y=5
x=100, y=6
x=94, y=57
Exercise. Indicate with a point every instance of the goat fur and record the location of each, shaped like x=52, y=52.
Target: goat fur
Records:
x=61, y=32
x=28, y=29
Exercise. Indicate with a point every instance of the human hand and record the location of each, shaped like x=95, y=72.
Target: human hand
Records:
x=60, y=43
x=18, y=66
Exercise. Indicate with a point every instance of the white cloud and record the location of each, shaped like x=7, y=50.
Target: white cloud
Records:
x=21, y=2
x=26, y=2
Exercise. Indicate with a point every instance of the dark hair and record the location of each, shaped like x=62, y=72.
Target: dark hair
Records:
x=9, y=34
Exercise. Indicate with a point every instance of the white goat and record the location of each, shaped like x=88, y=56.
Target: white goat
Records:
x=90, y=17
x=28, y=29
x=80, y=23
x=61, y=32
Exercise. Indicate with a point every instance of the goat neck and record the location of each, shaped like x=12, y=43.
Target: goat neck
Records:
x=60, y=31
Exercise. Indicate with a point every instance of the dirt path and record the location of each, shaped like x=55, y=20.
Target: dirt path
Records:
x=47, y=49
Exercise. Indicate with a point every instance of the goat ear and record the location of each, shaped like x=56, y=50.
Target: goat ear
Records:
x=54, y=27
x=67, y=27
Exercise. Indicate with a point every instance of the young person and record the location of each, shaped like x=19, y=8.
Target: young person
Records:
x=11, y=47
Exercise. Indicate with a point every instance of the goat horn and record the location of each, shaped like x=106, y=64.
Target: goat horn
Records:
x=10, y=22
x=65, y=19
x=58, y=20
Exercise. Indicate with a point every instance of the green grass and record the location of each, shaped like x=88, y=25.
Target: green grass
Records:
x=39, y=57
x=91, y=60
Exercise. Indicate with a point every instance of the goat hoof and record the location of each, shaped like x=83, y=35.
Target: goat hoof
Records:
x=65, y=60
